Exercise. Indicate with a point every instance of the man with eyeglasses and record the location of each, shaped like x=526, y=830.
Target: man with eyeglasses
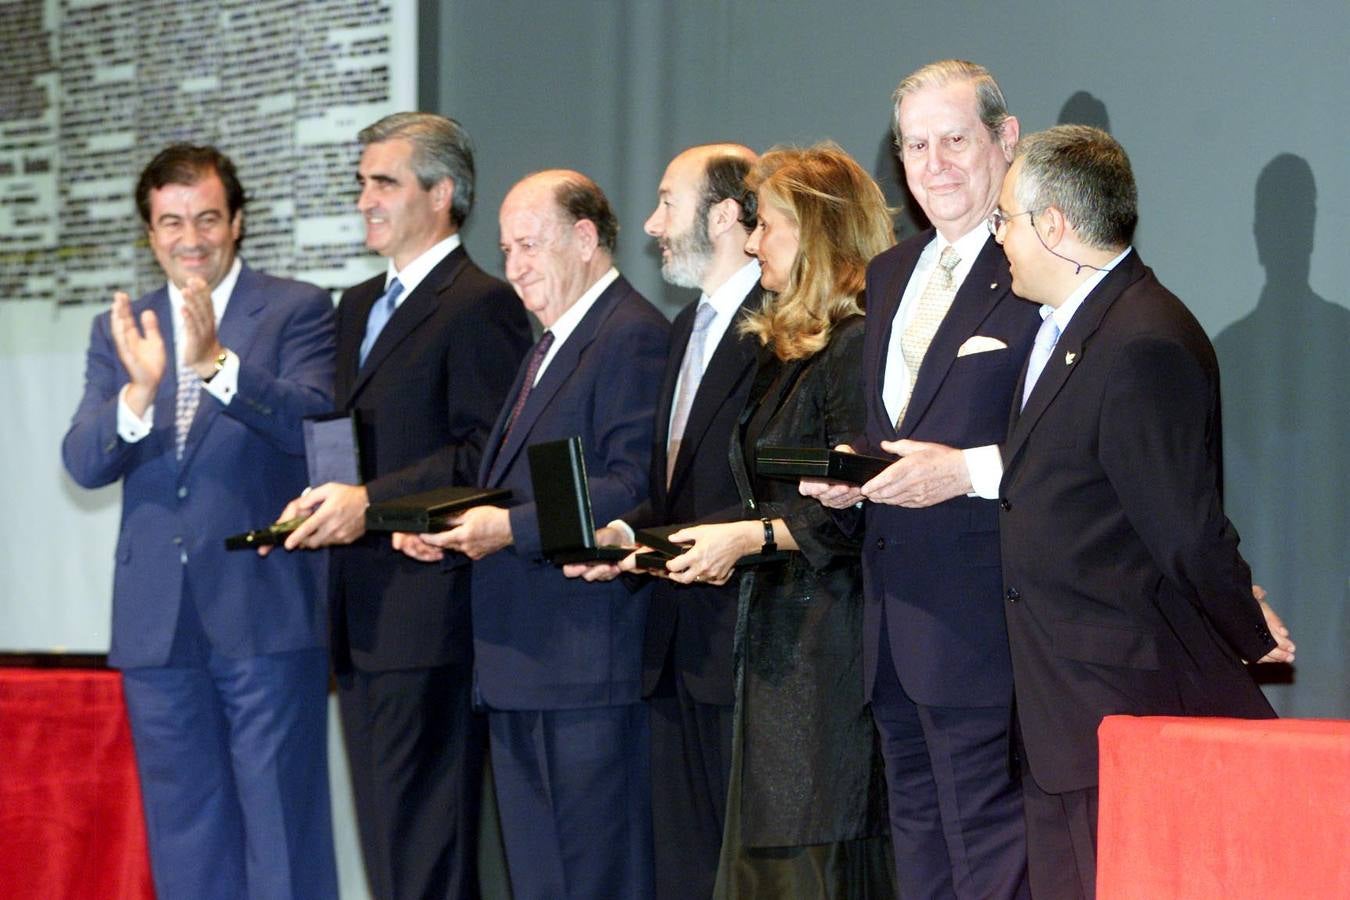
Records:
x=1125, y=592
x=945, y=340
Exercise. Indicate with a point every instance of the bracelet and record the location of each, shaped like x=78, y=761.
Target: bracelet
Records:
x=770, y=546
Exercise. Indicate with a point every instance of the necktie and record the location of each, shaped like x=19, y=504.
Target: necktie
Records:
x=691, y=373
x=531, y=373
x=379, y=317
x=928, y=315
x=1046, y=339
x=185, y=406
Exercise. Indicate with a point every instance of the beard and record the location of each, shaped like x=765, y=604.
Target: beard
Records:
x=689, y=255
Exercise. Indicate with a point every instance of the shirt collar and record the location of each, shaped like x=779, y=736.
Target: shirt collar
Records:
x=729, y=297
x=569, y=320
x=968, y=247
x=220, y=295
x=1070, y=306
x=417, y=270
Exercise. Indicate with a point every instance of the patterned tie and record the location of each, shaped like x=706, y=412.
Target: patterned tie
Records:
x=531, y=373
x=928, y=315
x=189, y=394
x=379, y=317
x=691, y=373
x=1046, y=338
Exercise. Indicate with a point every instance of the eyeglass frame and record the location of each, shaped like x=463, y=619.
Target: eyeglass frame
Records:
x=998, y=219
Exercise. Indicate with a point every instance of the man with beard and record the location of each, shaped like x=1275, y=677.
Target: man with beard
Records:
x=700, y=224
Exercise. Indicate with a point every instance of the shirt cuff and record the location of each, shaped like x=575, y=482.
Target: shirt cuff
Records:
x=131, y=427
x=629, y=538
x=985, y=465
x=225, y=383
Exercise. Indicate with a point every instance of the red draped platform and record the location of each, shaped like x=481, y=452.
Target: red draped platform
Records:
x=1224, y=808
x=70, y=804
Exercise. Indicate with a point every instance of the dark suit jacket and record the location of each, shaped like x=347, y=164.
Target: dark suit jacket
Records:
x=543, y=641
x=425, y=400
x=240, y=464
x=937, y=569
x=810, y=769
x=1125, y=589
x=691, y=626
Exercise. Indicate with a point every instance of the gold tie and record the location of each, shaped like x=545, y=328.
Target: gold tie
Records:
x=932, y=309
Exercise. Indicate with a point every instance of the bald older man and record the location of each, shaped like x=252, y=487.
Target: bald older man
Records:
x=558, y=661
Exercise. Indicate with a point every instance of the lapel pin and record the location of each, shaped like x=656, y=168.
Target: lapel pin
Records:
x=993, y=285
x=1069, y=357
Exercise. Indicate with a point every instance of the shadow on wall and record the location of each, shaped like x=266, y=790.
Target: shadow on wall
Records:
x=1084, y=109
x=1286, y=418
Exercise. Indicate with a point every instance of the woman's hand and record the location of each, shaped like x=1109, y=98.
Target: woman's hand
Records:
x=716, y=548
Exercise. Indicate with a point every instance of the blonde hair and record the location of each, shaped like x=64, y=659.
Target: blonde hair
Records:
x=842, y=222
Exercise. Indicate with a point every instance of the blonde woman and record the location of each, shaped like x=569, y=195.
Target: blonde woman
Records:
x=806, y=811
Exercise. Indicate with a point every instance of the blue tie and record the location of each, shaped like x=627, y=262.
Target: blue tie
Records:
x=1046, y=339
x=379, y=317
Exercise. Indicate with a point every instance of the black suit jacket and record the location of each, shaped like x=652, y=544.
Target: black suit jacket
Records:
x=936, y=570
x=425, y=400
x=691, y=626
x=1125, y=591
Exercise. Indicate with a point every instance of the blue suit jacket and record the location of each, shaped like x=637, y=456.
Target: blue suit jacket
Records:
x=241, y=464
x=543, y=641
x=937, y=569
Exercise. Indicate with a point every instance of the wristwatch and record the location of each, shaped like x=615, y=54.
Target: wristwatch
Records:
x=770, y=546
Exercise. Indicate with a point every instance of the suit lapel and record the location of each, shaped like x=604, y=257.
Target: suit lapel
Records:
x=732, y=361
x=1068, y=353
x=559, y=370
x=884, y=307
x=235, y=332
x=985, y=284
x=414, y=309
x=680, y=330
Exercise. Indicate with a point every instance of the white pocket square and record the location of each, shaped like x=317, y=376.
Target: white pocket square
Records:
x=980, y=344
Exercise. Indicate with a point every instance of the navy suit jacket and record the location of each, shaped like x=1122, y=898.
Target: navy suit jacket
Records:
x=424, y=399
x=241, y=464
x=1125, y=591
x=691, y=625
x=543, y=641
x=937, y=569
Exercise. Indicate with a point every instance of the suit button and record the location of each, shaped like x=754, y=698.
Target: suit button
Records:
x=1005, y=504
x=1013, y=595
x=182, y=491
x=881, y=543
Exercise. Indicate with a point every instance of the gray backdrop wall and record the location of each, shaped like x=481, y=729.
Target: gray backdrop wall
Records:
x=1233, y=114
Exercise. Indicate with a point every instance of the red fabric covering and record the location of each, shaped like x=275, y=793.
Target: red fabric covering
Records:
x=71, y=824
x=1231, y=808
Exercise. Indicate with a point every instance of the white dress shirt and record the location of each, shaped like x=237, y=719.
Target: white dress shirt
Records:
x=984, y=464
x=571, y=318
x=223, y=385
x=726, y=302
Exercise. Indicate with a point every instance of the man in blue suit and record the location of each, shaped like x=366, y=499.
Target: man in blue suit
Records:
x=197, y=411
x=558, y=662
x=946, y=338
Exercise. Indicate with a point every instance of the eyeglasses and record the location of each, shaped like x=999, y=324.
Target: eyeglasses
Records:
x=998, y=218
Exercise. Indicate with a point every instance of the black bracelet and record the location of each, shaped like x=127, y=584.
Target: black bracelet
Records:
x=769, y=545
